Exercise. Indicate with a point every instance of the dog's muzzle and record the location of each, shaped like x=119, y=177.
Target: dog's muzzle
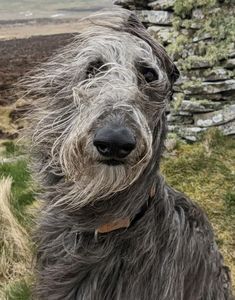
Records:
x=114, y=143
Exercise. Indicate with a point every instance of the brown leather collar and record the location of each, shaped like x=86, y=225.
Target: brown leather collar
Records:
x=126, y=222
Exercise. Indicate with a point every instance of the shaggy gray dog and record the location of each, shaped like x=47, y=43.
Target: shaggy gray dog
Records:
x=110, y=227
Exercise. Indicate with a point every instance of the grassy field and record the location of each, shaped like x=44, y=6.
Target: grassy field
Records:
x=16, y=220
x=205, y=171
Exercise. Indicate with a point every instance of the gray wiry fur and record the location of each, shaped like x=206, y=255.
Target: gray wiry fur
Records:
x=170, y=252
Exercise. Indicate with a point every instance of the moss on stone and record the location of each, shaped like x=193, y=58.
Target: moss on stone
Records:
x=184, y=8
x=175, y=49
x=176, y=104
x=217, y=26
x=191, y=84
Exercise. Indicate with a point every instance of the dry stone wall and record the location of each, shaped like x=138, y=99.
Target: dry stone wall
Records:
x=199, y=35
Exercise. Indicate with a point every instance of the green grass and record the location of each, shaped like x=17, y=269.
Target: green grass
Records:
x=11, y=148
x=18, y=290
x=18, y=285
x=229, y=199
x=21, y=188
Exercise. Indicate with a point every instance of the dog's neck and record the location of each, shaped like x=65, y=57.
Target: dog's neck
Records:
x=123, y=206
x=126, y=222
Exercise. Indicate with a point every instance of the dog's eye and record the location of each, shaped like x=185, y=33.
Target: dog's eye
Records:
x=150, y=74
x=94, y=68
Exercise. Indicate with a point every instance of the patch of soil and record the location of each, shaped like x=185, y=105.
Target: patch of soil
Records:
x=18, y=56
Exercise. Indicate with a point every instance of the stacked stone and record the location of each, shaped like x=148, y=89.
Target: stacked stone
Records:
x=204, y=95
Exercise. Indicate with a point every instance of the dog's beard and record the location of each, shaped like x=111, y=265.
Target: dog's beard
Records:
x=89, y=178
x=92, y=180
x=103, y=182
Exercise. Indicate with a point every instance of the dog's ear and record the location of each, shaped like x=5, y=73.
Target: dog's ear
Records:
x=133, y=21
x=135, y=27
x=175, y=73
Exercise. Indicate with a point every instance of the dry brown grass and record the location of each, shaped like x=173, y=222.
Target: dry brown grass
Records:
x=6, y=124
x=15, y=252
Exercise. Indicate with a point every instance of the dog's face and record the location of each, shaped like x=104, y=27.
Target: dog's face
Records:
x=102, y=105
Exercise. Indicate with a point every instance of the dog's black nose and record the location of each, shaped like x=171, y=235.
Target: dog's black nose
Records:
x=114, y=142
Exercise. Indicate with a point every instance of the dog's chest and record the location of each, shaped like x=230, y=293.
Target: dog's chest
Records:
x=119, y=277
x=133, y=270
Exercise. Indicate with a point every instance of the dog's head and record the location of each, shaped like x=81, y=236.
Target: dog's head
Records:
x=100, y=107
